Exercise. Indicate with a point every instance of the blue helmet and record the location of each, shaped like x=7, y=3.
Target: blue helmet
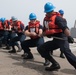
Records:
x=3, y=19
x=12, y=17
x=32, y=16
x=61, y=12
x=48, y=7
x=0, y=19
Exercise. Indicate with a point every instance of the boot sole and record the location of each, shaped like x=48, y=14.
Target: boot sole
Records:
x=53, y=70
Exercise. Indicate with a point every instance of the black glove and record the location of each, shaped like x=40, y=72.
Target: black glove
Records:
x=70, y=39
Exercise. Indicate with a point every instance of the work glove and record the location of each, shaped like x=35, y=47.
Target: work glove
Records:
x=70, y=39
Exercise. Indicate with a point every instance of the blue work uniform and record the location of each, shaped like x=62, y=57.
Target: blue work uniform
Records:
x=45, y=49
x=32, y=42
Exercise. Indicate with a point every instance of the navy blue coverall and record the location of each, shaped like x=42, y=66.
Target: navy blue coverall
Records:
x=32, y=42
x=45, y=49
x=20, y=37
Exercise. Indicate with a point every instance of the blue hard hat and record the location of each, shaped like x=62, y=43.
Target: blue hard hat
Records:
x=61, y=12
x=14, y=19
x=32, y=16
x=3, y=19
x=48, y=7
